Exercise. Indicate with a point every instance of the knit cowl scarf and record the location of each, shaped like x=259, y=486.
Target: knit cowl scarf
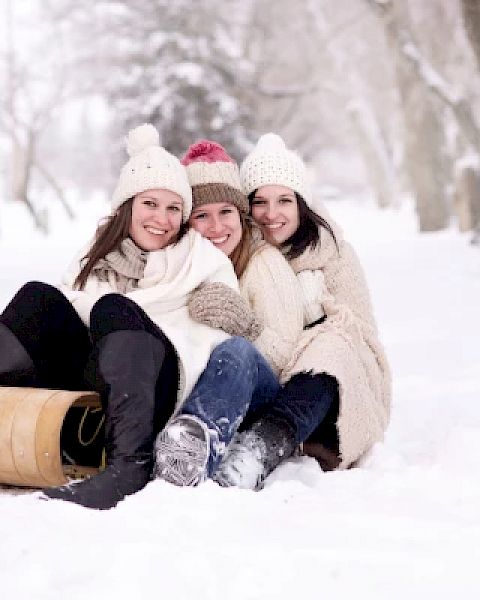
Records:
x=122, y=268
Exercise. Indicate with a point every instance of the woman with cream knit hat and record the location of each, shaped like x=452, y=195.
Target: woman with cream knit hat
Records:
x=120, y=323
x=337, y=386
x=268, y=313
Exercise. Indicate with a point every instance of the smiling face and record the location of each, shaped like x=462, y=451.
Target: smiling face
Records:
x=275, y=209
x=156, y=219
x=220, y=223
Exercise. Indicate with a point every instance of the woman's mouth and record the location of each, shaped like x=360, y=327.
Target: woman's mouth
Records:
x=273, y=226
x=219, y=241
x=155, y=230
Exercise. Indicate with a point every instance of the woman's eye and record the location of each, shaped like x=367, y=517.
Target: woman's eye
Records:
x=174, y=208
x=286, y=200
x=257, y=201
x=150, y=203
x=199, y=216
x=226, y=211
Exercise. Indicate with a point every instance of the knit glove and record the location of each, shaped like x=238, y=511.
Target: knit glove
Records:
x=217, y=305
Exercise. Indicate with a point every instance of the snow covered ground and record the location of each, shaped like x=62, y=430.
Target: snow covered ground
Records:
x=406, y=524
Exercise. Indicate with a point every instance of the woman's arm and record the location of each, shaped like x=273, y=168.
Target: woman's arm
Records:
x=273, y=293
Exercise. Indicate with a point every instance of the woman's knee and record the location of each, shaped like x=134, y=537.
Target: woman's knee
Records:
x=36, y=290
x=236, y=349
x=34, y=300
x=114, y=312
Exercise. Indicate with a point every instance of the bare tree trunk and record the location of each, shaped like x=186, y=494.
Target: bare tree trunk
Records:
x=40, y=217
x=424, y=159
x=467, y=188
x=373, y=149
x=471, y=20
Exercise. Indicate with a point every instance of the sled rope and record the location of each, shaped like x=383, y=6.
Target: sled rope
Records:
x=97, y=430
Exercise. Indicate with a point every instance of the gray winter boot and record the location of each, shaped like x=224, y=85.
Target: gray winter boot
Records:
x=182, y=450
x=255, y=453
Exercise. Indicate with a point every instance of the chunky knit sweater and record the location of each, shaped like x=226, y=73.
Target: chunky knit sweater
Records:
x=273, y=292
x=346, y=346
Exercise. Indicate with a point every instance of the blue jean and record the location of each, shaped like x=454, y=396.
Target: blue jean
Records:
x=237, y=380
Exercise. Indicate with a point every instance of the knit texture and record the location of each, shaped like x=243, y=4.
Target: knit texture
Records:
x=312, y=286
x=151, y=167
x=271, y=163
x=211, y=193
x=122, y=268
x=345, y=346
x=217, y=305
x=272, y=291
x=213, y=175
x=170, y=276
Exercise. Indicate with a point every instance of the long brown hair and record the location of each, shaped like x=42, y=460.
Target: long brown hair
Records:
x=245, y=247
x=109, y=235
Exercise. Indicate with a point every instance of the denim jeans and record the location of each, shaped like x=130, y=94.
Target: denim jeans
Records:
x=237, y=380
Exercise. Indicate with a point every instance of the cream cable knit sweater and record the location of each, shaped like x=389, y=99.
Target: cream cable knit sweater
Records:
x=273, y=292
x=346, y=346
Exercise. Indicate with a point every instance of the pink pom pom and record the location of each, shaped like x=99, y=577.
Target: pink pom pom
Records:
x=206, y=151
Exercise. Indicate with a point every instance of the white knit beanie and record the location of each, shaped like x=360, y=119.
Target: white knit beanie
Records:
x=151, y=167
x=271, y=163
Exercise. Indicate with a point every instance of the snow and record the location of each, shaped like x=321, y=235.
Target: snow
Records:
x=405, y=524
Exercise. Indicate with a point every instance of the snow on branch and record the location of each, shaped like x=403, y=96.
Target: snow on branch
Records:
x=430, y=76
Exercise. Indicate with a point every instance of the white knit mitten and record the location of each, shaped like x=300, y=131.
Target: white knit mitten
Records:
x=312, y=286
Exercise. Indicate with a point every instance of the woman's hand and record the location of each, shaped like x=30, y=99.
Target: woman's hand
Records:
x=217, y=305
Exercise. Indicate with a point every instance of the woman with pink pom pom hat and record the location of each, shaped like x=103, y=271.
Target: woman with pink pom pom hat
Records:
x=267, y=313
x=120, y=323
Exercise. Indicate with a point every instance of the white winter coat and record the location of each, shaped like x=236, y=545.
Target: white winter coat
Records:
x=170, y=275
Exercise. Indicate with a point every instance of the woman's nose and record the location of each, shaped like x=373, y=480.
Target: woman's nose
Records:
x=215, y=224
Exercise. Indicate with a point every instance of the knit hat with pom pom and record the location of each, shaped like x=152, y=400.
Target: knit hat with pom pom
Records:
x=213, y=175
x=151, y=167
x=272, y=163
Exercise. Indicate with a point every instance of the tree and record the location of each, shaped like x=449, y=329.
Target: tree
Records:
x=29, y=102
x=425, y=156
x=175, y=66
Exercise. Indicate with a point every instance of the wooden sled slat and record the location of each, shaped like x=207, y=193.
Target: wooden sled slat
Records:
x=30, y=425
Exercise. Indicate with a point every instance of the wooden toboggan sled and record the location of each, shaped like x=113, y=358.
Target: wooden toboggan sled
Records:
x=31, y=423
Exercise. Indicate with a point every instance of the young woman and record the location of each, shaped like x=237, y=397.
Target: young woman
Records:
x=238, y=384
x=337, y=386
x=121, y=324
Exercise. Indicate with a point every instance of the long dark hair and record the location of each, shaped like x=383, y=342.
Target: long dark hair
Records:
x=108, y=237
x=308, y=231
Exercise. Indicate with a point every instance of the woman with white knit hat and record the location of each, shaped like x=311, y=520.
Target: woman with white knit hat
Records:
x=337, y=386
x=120, y=323
x=238, y=384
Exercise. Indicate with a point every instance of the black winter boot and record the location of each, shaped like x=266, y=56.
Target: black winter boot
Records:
x=129, y=363
x=16, y=366
x=255, y=453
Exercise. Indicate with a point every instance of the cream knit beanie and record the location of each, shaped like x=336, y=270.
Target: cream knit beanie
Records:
x=271, y=163
x=151, y=167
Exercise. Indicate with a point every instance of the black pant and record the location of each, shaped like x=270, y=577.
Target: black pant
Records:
x=65, y=353
x=309, y=404
x=52, y=333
